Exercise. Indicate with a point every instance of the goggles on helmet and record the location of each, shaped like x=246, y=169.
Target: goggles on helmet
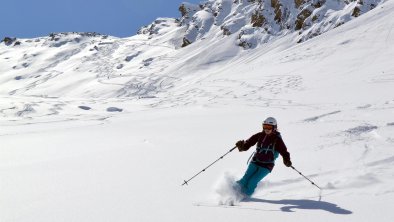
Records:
x=268, y=127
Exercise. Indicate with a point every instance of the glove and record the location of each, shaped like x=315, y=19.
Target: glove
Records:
x=287, y=162
x=240, y=145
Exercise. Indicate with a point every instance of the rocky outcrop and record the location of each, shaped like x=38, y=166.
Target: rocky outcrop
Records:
x=256, y=21
x=9, y=41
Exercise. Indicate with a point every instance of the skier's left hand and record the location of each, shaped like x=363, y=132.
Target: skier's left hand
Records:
x=287, y=162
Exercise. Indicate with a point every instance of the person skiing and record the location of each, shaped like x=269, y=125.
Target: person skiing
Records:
x=269, y=146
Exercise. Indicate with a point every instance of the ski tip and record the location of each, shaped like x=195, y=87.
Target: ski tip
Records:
x=184, y=183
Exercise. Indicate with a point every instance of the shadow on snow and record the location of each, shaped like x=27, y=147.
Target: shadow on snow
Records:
x=290, y=205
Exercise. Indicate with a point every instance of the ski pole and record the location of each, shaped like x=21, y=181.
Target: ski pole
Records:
x=306, y=177
x=187, y=181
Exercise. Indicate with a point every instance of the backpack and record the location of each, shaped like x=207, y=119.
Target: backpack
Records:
x=266, y=155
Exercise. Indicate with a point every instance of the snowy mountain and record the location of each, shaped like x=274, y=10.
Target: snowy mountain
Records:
x=98, y=128
x=110, y=67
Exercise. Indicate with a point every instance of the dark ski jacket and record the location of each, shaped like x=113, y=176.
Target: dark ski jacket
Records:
x=267, y=149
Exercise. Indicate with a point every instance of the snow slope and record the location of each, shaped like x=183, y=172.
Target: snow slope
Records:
x=84, y=140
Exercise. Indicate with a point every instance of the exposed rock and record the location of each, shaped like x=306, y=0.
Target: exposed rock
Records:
x=356, y=12
x=277, y=9
x=185, y=42
x=301, y=18
x=298, y=3
x=8, y=40
x=245, y=44
x=258, y=19
x=225, y=30
x=183, y=10
x=318, y=3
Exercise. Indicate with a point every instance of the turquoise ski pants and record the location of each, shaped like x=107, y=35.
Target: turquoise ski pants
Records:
x=252, y=177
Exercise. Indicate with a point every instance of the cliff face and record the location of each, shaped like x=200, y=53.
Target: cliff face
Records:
x=257, y=21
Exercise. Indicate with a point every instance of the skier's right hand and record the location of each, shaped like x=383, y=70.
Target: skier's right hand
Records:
x=240, y=145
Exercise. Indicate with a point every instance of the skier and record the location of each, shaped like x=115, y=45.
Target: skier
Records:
x=269, y=146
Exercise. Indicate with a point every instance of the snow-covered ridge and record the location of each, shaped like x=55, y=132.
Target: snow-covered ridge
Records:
x=258, y=21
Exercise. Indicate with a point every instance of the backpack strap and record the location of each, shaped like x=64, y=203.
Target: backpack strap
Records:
x=272, y=145
x=265, y=150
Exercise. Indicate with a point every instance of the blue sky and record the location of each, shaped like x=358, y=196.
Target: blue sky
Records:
x=121, y=18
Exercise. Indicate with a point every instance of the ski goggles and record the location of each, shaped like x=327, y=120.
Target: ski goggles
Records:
x=268, y=127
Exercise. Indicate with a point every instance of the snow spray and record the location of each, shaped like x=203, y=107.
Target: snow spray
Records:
x=228, y=191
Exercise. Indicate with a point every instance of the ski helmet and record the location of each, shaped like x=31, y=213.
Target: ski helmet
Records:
x=271, y=121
